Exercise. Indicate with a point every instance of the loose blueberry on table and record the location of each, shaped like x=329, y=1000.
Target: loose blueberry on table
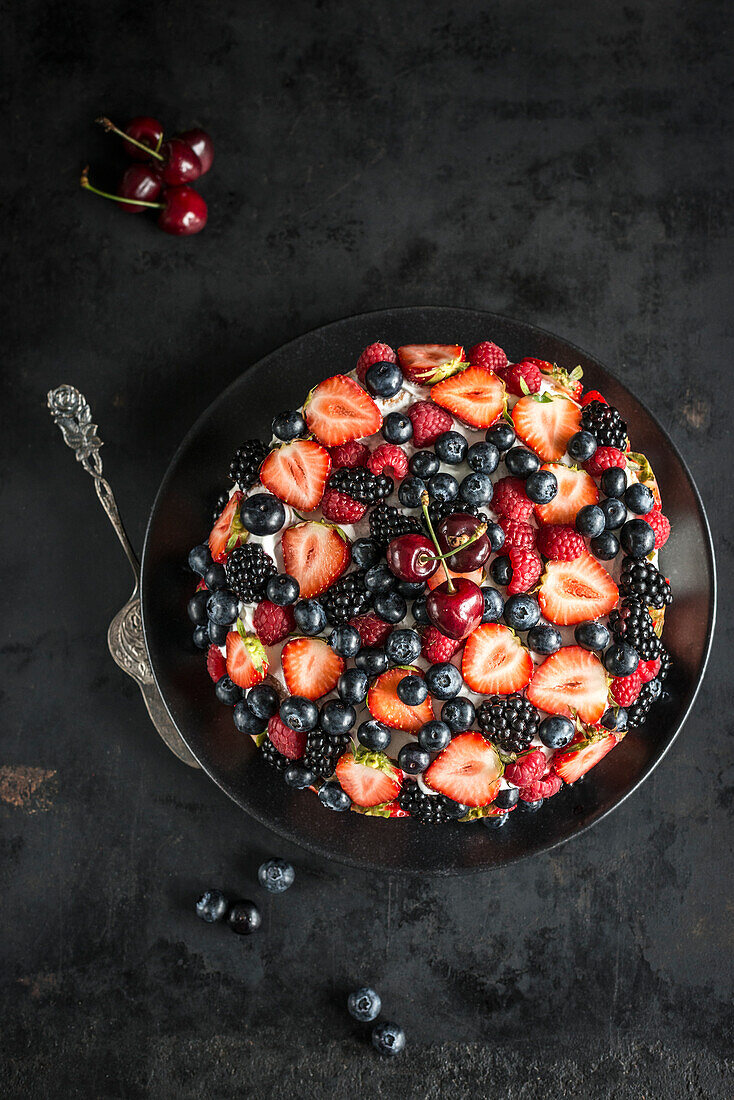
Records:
x=435, y=592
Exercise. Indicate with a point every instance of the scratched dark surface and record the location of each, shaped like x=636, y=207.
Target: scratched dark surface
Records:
x=568, y=165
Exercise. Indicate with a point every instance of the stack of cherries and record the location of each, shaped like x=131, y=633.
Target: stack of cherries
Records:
x=161, y=173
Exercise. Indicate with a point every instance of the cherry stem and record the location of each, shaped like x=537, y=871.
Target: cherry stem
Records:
x=461, y=544
x=434, y=540
x=112, y=129
x=84, y=181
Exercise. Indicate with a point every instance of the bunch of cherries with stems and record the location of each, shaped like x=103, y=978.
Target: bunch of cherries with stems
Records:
x=161, y=173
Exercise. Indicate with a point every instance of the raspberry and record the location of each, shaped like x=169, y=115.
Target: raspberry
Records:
x=429, y=422
x=518, y=535
x=272, y=623
x=216, y=665
x=436, y=647
x=604, y=458
x=372, y=631
x=374, y=353
x=388, y=457
x=592, y=395
x=488, y=356
x=560, y=543
x=625, y=689
x=509, y=499
x=660, y=525
x=349, y=454
x=288, y=742
x=526, y=569
x=648, y=670
x=526, y=371
x=341, y=508
x=541, y=788
x=528, y=767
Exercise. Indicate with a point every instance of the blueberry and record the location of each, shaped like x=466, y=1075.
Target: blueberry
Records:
x=410, y=491
x=621, y=659
x=222, y=607
x=501, y=570
x=443, y=487
x=413, y=759
x=458, y=714
x=615, y=718
x=299, y=776
x=374, y=735
x=592, y=635
x=262, y=699
x=384, y=379
x=227, y=692
x=581, y=446
x=276, y=875
x=333, y=797
x=364, y=1005
x=507, y=798
x=365, y=553
x=496, y=536
x=502, y=435
x=590, y=521
x=197, y=606
x=352, y=686
x=215, y=577
x=520, y=462
x=614, y=511
x=390, y=606
x=411, y=589
x=613, y=482
x=544, y=639
x=397, y=428
x=372, y=660
x=424, y=464
x=299, y=714
x=605, y=546
x=380, y=578
x=310, y=617
x=200, y=559
x=244, y=918
x=337, y=718
x=211, y=906
x=412, y=691
x=246, y=721
x=289, y=425
x=434, y=736
x=282, y=590
x=262, y=514
x=451, y=448
x=493, y=605
x=541, y=487
x=495, y=821
x=403, y=647
x=419, y=612
x=217, y=632
x=345, y=640
x=476, y=488
x=639, y=499
x=444, y=680
x=201, y=636
x=521, y=611
x=637, y=538
x=555, y=731
x=529, y=807
x=483, y=457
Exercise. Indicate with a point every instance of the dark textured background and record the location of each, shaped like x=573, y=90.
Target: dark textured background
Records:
x=568, y=165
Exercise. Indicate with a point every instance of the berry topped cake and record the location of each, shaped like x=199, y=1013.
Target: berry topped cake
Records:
x=435, y=592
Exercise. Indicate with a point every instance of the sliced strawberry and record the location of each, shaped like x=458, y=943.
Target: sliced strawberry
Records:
x=383, y=702
x=573, y=762
x=593, y=395
x=495, y=662
x=439, y=576
x=576, y=591
x=216, y=665
x=575, y=489
x=297, y=473
x=474, y=396
x=315, y=554
x=228, y=531
x=310, y=667
x=468, y=770
x=546, y=424
x=369, y=778
x=570, y=680
x=570, y=381
x=338, y=410
x=430, y=363
x=247, y=661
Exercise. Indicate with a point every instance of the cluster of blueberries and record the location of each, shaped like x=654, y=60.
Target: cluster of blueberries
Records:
x=598, y=522
x=243, y=917
x=365, y=1005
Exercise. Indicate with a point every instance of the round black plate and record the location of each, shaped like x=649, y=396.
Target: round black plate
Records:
x=180, y=519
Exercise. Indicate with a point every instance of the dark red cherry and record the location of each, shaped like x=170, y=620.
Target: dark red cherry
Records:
x=147, y=131
x=457, y=527
x=179, y=163
x=456, y=607
x=184, y=212
x=140, y=182
x=202, y=145
x=412, y=557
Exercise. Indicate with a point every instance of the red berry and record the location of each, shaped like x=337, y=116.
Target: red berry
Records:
x=372, y=631
x=524, y=371
x=509, y=499
x=660, y=525
x=625, y=689
x=593, y=395
x=518, y=535
x=541, y=788
x=488, y=356
x=216, y=664
x=429, y=422
x=374, y=353
x=560, y=542
x=349, y=454
x=436, y=647
x=648, y=670
x=341, y=508
x=604, y=458
x=388, y=458
x=528, y=767
x=526, y=569
x=287, y=741
x=272, y=623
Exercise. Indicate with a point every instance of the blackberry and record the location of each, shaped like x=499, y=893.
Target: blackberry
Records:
x=637, y=713
x=219, y=505
x=248, y=571
x=642, y=579
x=605, y=423
x=428, y=809
x=386, y=523
x=666, y=663
x=323, y=751
x=346, y=598
x=246, y=462
x=509, y=721
x=439, y=509
x=272, y=757
x=361, y=484
x=632, y=623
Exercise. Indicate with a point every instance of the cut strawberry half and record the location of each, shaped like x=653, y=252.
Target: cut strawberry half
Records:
x=338, y=410
x=296, y=473
x=316, y=554
x=571, y=680
x=572, y=763
x=546, y=424
x=575, y=591
x=247, y=661
x=216, y=665
x=570, y=381
x=311, y=667
x=384, y=705
x=495, y=662
x=430, y=363
x=474, y=396
x=575, y=489
x=468, y=770
x=369, y=778
x=228, y=531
